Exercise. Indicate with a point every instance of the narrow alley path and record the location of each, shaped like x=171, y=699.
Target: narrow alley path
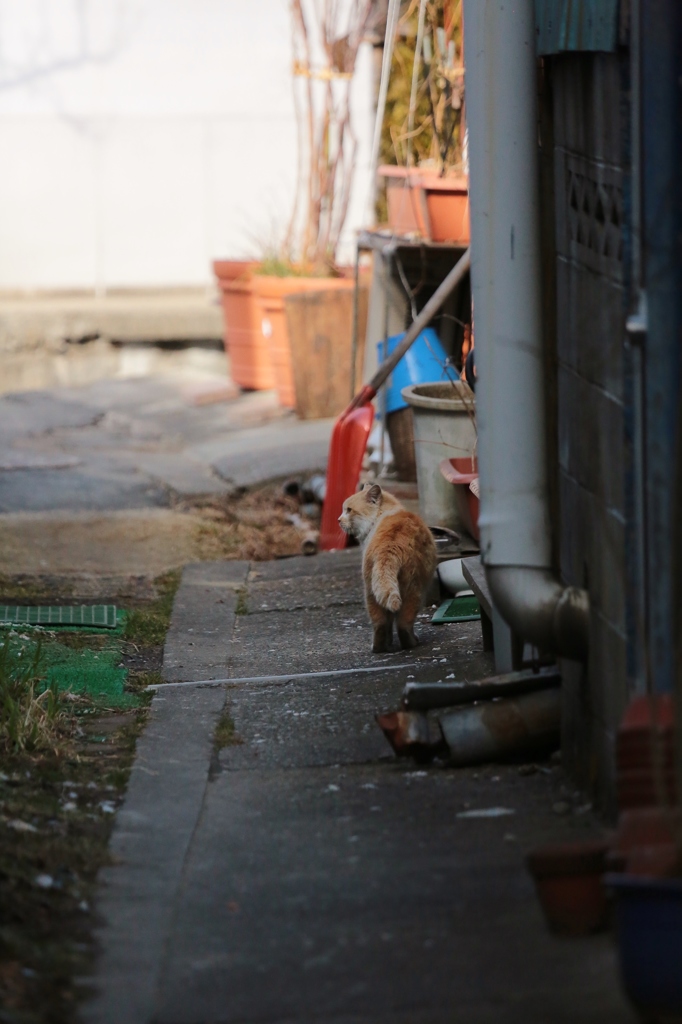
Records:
x=275, y=863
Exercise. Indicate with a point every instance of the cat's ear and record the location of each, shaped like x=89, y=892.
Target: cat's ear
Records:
x=373, y=494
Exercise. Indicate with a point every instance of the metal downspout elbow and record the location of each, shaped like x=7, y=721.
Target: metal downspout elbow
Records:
x=541, y=610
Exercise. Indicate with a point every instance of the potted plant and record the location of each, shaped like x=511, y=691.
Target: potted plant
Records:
x=326, y=40
x=569, y=882
x=250, y=360
x=426, y=181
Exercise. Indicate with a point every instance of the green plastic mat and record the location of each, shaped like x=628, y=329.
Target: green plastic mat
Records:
x=94, y=673
x=101, y=616
x=457, y=609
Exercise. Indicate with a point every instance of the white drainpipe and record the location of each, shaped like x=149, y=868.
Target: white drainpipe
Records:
x=501, y=96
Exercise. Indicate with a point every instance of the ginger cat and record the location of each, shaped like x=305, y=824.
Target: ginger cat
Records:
x=398, y=562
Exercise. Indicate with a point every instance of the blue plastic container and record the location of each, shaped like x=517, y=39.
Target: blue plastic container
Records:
x=423, y=363
x=649, y=933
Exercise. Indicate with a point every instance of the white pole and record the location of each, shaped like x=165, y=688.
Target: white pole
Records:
x=389, y=41
x=501, y=68
x=415, y=78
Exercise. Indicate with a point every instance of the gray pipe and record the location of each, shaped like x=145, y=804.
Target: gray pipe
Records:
x=541, y=609
x=505, y=276
x=494, y=730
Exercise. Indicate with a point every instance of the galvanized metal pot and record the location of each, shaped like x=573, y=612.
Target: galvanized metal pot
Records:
x=444, y=416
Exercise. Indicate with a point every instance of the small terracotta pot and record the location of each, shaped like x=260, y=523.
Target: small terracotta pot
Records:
x=270, y=294
x=568, y=880
x=250, y=360
x=421, y=202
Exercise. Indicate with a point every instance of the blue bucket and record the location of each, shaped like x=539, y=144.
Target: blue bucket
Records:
x=423, y=363
x=649, y=935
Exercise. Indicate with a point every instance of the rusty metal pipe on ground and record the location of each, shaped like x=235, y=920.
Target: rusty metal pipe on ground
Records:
x=501, y=729
x=310, y=538
x=427, y=696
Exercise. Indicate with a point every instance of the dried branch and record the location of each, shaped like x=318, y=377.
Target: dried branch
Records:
x=331, y=142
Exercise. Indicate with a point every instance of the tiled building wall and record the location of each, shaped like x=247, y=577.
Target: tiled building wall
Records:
x=588, y=200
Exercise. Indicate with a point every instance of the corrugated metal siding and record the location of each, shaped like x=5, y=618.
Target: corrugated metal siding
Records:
x=576, y=25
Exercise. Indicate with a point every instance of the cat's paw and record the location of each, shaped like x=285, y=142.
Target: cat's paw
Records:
x=407, y=639
x=382, y=637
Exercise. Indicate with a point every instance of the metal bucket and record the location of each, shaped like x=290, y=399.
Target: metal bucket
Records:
x=444, y=427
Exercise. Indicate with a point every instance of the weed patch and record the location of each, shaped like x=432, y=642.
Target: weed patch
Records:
x=32, y=710
x=149, y=624
x=225, y=732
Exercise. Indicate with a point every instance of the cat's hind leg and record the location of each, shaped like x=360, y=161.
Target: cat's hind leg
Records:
x=382, y=623
x=406, y=619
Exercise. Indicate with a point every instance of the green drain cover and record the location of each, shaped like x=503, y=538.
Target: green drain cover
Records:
x=102, y=616
x=457, y=609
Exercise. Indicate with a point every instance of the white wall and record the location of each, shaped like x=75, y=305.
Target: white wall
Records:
x=147, y=137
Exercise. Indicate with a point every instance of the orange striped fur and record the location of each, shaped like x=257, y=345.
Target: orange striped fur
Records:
x=398, y=562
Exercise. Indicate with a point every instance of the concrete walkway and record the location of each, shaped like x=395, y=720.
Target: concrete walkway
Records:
x=287, y=868
x=99, y=479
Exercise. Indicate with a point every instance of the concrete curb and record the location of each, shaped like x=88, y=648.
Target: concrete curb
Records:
x=149, y=845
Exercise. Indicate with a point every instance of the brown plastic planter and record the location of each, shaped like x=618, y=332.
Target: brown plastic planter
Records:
x=250, y=360
x=420, y=202
x=568, y=880
x=320, y=332
x=270, y=294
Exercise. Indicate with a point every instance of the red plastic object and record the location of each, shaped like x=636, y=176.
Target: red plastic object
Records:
x=644, y=753
x=346, y=452
x=647, y=788
x=461, y=472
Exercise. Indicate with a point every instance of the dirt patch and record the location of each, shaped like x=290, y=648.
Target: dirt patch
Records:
x=252, y=526
x=123, y=550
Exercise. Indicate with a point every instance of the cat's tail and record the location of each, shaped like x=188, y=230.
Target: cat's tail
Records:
x=385, y=584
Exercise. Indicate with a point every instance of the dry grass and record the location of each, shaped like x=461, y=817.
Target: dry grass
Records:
x=33, y=716
x=249, y=527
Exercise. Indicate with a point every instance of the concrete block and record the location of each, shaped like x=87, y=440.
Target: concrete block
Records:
x=591, y=438
x=592, y=549
x=608, y=672
x=591, y=325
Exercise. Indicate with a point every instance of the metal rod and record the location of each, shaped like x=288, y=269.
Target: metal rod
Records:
x=423, y=696
x=415, y=80
x=389, y=41
x=356, y=317
x=289, y=677
x=433, y=306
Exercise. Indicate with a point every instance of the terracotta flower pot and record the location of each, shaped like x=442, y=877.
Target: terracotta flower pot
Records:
x=270, y=293
x=250, y=360
x=423, y=202
x=568, y=880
